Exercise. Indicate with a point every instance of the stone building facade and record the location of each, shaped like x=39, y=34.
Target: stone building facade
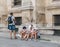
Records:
x=42, y=12
x=21, y=9
x=50, y=9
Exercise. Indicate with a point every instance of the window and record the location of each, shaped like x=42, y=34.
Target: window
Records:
x=57, y=32
x=57, y=20
x=56, y=0
x=18, y=20
x=17, y=2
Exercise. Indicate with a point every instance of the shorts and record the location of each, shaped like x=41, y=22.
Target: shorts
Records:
x=11, y=27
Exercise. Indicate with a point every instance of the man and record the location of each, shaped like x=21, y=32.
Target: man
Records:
x=11, y=25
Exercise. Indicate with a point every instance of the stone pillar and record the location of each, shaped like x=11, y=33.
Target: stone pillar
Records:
x=40, y=11
x=26, y=16
x=49, y=18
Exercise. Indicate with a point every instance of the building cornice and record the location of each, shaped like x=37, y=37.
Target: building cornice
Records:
x=30, y=7
x=20, y=8
x=52, y=7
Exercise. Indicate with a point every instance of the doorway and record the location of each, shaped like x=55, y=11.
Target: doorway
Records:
x=56, y=20
x=18, y=20
x=57, y=23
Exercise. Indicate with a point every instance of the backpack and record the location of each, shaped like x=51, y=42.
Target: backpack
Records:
x=10, y=20
x=38, y=37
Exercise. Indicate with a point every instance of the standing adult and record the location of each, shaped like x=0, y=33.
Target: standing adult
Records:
x=11, y=25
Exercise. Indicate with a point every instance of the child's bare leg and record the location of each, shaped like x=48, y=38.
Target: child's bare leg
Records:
x=31, y=35
x=27, y=36
x=21, y=35
x=35, y=35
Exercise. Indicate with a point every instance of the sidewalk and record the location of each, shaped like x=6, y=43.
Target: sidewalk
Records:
x=51, y=38
x=47, y=38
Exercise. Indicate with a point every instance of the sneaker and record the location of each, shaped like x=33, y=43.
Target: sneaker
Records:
x=30, y=39
x=26, y=39
x=11, y=38
x=15, y=38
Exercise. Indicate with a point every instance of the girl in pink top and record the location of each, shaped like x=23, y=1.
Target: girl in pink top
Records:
x=33, y=32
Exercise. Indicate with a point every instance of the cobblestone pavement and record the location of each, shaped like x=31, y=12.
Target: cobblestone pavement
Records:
x=5, y=41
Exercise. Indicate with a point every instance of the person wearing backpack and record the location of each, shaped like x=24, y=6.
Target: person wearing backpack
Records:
x=11, y=25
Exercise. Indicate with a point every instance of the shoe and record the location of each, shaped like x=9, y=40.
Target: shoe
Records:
x=22, y=39
x=30, y=39
x=15, y=38
x=26, y=39
x=11, y=38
